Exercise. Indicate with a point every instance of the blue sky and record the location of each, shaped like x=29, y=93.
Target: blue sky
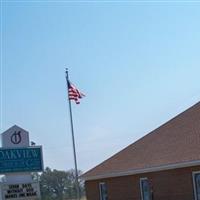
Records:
x=137, y=63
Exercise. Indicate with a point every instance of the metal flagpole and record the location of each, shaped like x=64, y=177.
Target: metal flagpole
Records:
x=73, y=140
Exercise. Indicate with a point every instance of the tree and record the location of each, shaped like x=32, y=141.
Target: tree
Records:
x=59, y=185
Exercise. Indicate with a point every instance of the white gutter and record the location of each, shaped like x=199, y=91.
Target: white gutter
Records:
x=145, y=170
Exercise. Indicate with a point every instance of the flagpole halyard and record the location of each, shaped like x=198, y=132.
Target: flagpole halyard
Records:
x=73, y=138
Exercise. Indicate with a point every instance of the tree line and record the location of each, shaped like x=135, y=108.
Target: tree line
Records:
x=58, y=185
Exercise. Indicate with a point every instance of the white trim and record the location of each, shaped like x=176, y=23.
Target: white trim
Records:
x=194, y=183
x=145, y=170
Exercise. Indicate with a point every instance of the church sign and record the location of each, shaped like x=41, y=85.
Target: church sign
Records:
x=18, y=159
x=21, y=160
x=21, y=191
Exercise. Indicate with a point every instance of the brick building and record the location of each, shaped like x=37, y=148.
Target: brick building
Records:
x=163, y=165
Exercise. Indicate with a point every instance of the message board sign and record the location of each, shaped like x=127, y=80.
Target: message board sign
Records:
x=21, y=160
x=22, y=191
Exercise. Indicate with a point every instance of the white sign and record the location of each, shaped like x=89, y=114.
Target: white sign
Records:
x=15, y=137
x=22, y=191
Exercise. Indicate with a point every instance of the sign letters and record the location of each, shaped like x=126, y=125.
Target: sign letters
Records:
x=21, y=191
x=20, y=160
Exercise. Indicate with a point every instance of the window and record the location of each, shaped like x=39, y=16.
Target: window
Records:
x=196, y=185
x=145, y=188
x=103, y=191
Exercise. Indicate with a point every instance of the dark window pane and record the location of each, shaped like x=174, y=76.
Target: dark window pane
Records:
x=145, y=189
x=197, y=183
x=103, y=191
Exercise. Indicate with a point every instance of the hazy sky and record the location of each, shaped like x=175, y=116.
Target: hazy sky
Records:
x=137, y=63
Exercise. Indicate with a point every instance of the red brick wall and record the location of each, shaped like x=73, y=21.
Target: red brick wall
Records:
x=167, y=185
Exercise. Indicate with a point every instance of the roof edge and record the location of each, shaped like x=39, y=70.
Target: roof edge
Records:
x=149, y=133
x=14, y=126
x=145, y=170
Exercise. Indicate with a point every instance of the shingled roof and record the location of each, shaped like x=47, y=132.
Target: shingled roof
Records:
x=174, y=144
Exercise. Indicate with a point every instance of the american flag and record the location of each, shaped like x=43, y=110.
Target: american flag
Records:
x=74, y=93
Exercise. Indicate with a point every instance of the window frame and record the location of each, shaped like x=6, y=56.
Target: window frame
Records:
x=141, y=188
x=194, y=183
x=100, y=189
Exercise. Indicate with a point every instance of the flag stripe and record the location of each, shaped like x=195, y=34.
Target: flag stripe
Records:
x=74, y=93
